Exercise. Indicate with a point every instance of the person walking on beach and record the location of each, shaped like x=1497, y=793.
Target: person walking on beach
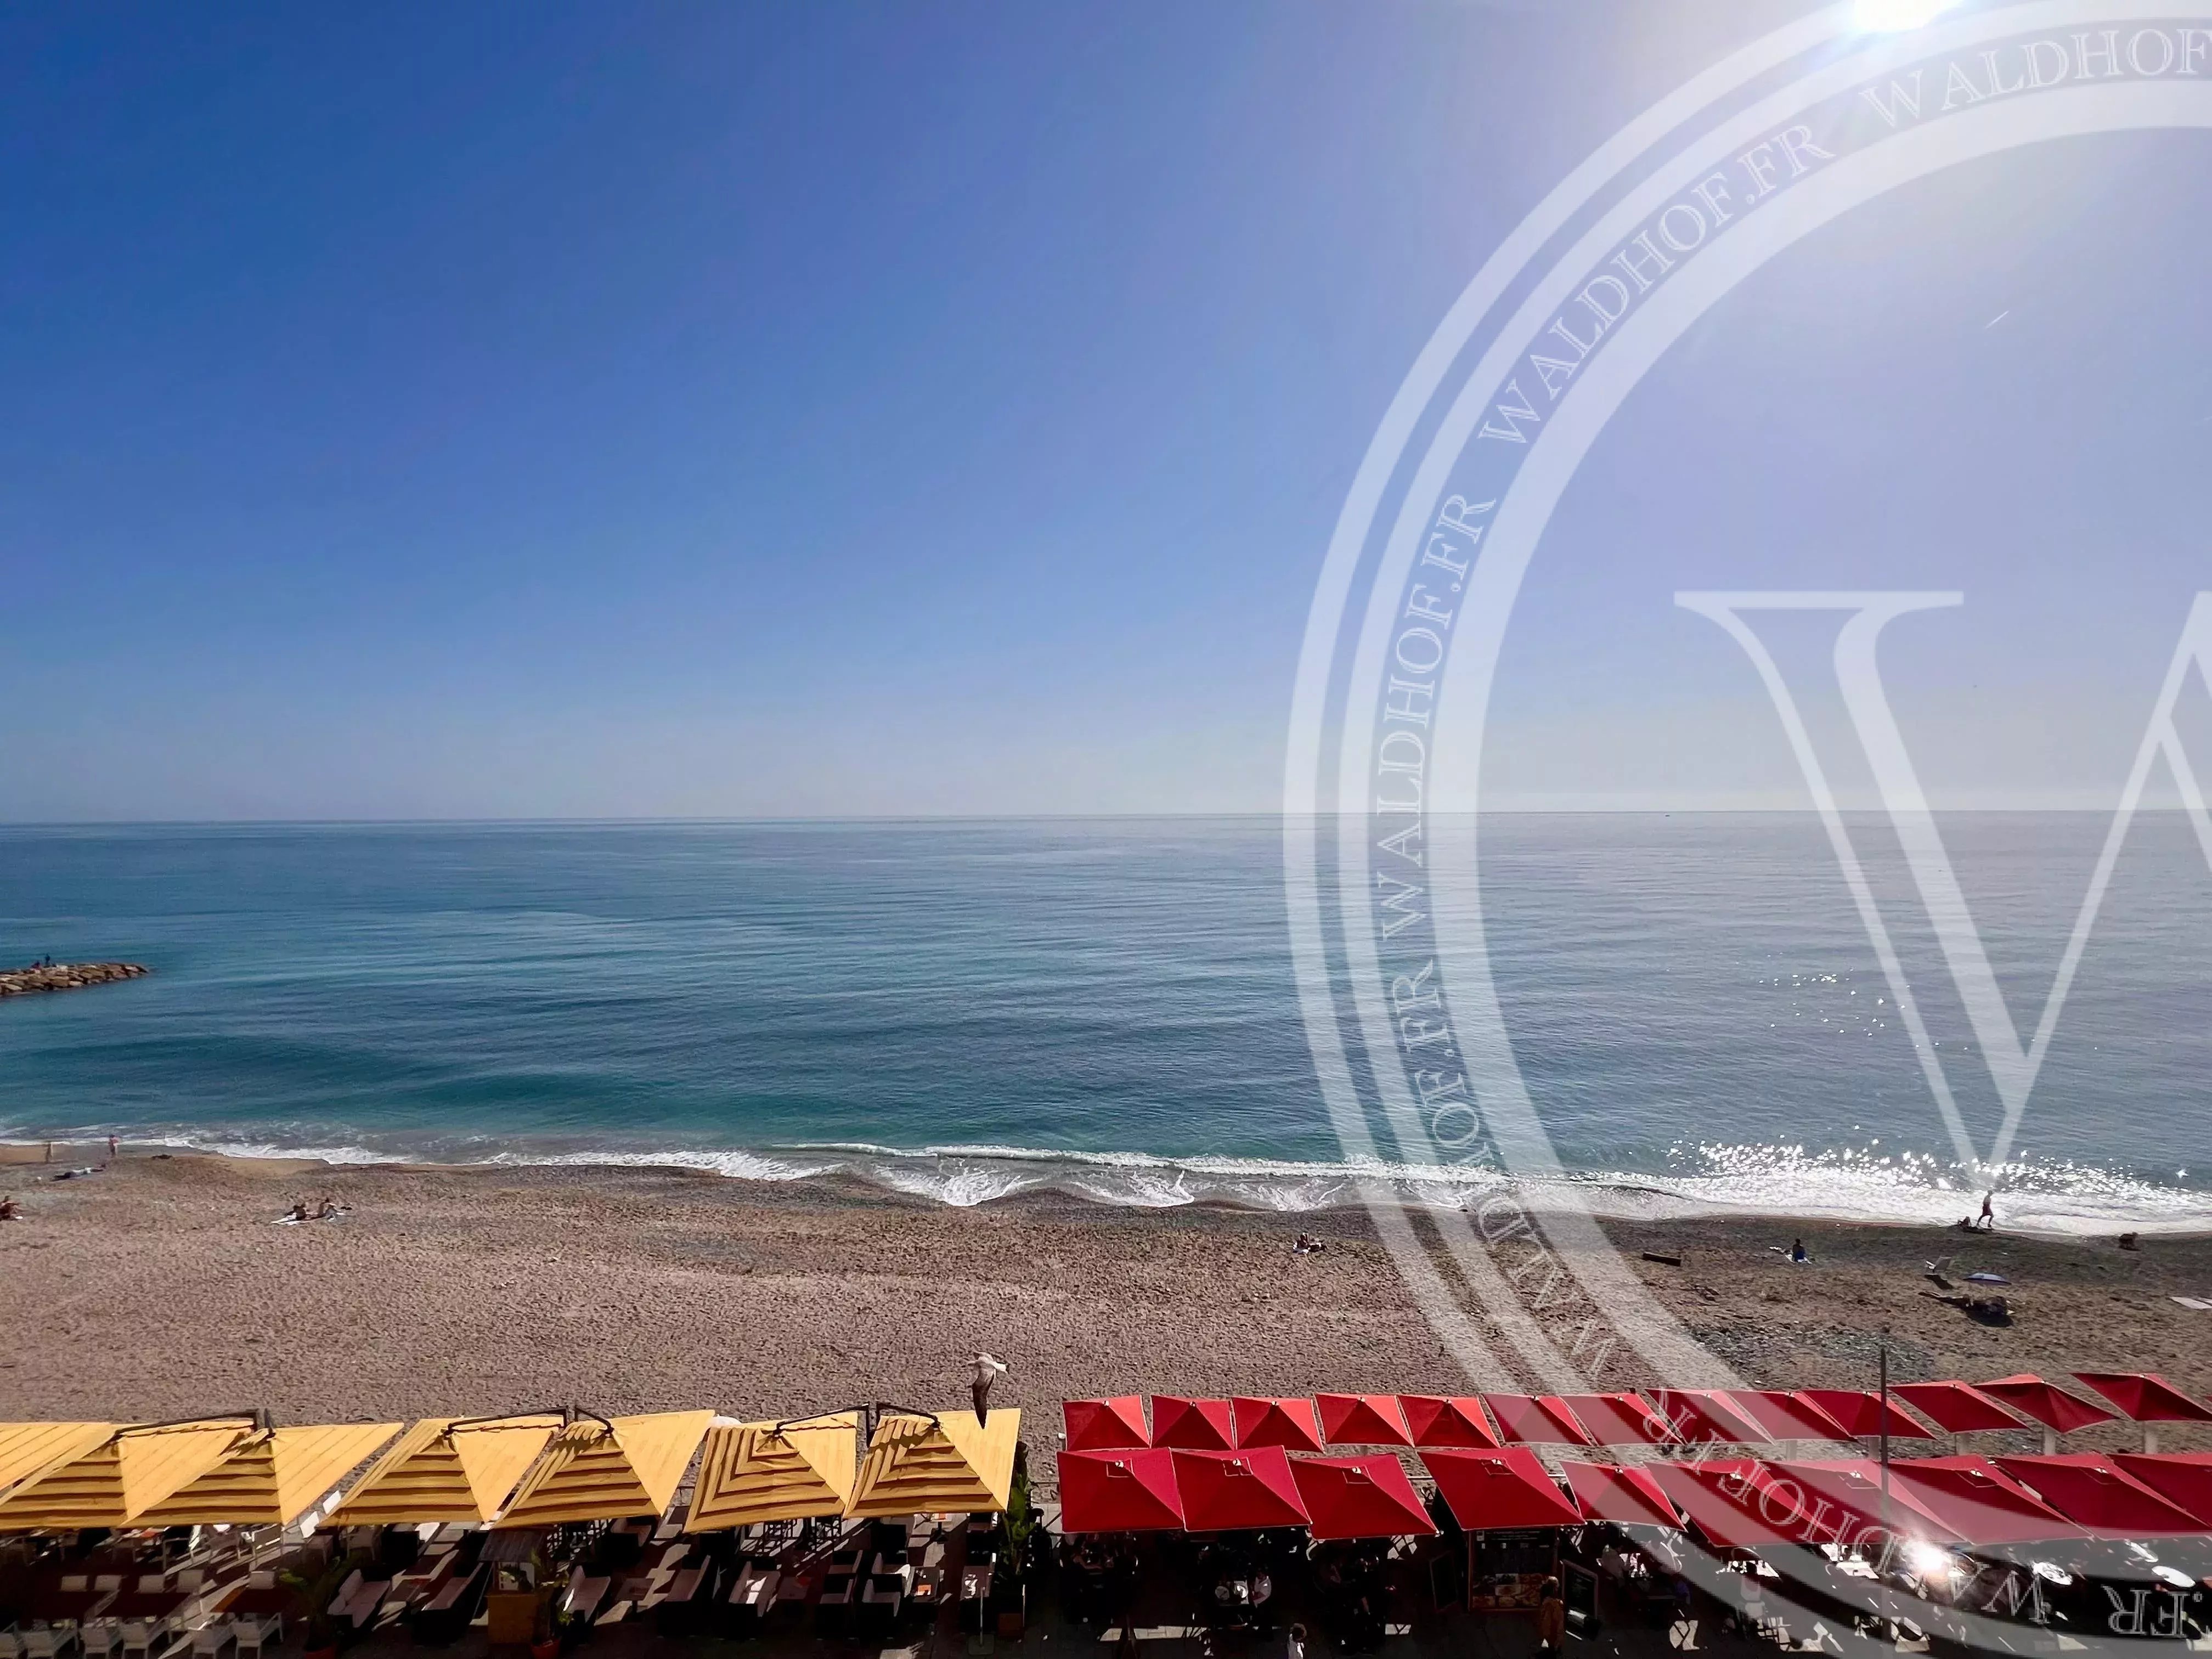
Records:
x=987, y=1372
x=1987, y=1221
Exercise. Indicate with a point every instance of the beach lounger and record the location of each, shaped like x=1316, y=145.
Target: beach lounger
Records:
x=140, y=1636
x=11, y=1644
x=48, y=1641
x=881, y=1601
x=682, y=1604
x=211, y=1638
x=108, y=1581
x=75, y=1582
x=253, y=1633
x=100, y=1638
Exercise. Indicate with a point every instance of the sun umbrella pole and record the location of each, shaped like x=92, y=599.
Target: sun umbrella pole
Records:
x=1885, y=1432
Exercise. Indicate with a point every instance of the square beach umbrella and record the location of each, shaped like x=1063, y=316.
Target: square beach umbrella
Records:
x=1238, y=1491
x=1614, y=1420
x=789, y=1471
x=1360, y=1497
x=1864, y=1413
x=1703, y=1416
x=1620, y=1493
x=29, y=1449
x=113, y=1482
x=2148, y=1398
x=1290, y=1424
x=2047, y=1403
x=1455, y=1420
x=1105, y=1425
x=1979, y=1501
x=919, y=1465
x=1785, y=1416
x=2095, y=1492
x=1491, y=1489
x=1192, y=1425
x=447, y=1469
x=1531, y=1420
x=1956, y=1408
x=1128, y=1490
x=607, y=1469
x=271, y=1478
x=1727, y=1501
x=1364, y=1419
x=1840, y=1500
x=2183, y=1479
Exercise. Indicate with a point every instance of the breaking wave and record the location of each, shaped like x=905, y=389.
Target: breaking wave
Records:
x=2049, y=1196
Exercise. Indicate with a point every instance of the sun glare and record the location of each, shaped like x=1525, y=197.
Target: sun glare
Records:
x=1894, y=15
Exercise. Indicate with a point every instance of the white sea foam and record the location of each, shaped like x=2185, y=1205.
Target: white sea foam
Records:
x=1866, y=1184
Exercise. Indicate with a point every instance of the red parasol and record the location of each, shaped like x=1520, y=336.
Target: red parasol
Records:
x=1132, y=1491
x=1360, y=1497
x=1105, y=1425
x=1290, y=1424
x=1364, y=1419
x=1617, y=1492
x=1861, y=1414
x=1237, y=1491
x=1725, y=1499
x=1192, y=1425
x=1705, y=1415
x=1955, y=1407
x=2098, y=1494
x=1529, y=1420
x=1839, y=1501
x=2045, y=1402
x=1437, y=1421
x=1979, y=1501
x=2183, y=1479
x=1785, y=1416
x=1614, y=1420
x=2146, y=1396
x=1488, y=1490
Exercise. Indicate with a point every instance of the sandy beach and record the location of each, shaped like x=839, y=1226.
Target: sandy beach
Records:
x=159, y=1288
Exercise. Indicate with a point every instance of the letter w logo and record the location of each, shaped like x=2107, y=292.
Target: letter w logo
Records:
x=2013, y=1065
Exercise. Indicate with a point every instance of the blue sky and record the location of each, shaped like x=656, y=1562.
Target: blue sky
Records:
x=601, y=410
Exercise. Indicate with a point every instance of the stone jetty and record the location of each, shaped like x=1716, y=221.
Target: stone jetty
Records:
x=65, y=976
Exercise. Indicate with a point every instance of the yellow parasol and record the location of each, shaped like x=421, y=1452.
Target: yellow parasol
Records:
x=448, y=1468
x=752, y=1471
x=918, y=1466
x=115, y=1481
x=270, y=1479
x=607, y=1469
x=29, y=1449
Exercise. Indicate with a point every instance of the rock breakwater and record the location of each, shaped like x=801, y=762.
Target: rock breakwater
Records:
x=65, y=976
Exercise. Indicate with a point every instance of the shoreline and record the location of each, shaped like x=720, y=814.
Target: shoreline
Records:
x=975, y=1177
x=158, y=1289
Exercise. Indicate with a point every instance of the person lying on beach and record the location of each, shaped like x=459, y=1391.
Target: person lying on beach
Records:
x=298, y=1212
x=330, y=1210
x=1307, y=1245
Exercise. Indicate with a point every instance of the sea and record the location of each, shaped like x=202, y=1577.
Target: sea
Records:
x=962, y=1010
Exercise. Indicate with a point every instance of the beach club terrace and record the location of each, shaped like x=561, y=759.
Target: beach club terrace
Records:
x=1939, y=1514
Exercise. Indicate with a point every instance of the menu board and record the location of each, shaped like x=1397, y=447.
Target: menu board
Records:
x=1506, y=1570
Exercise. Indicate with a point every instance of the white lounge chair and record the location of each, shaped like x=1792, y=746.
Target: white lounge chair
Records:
x=48, y=1641
x=100, y=1638
x=252, y=1633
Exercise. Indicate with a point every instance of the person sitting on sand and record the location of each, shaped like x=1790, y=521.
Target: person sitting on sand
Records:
x=298, y=1210
x=11, y=1210
x=1797, y=1250
x=330, y=1210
